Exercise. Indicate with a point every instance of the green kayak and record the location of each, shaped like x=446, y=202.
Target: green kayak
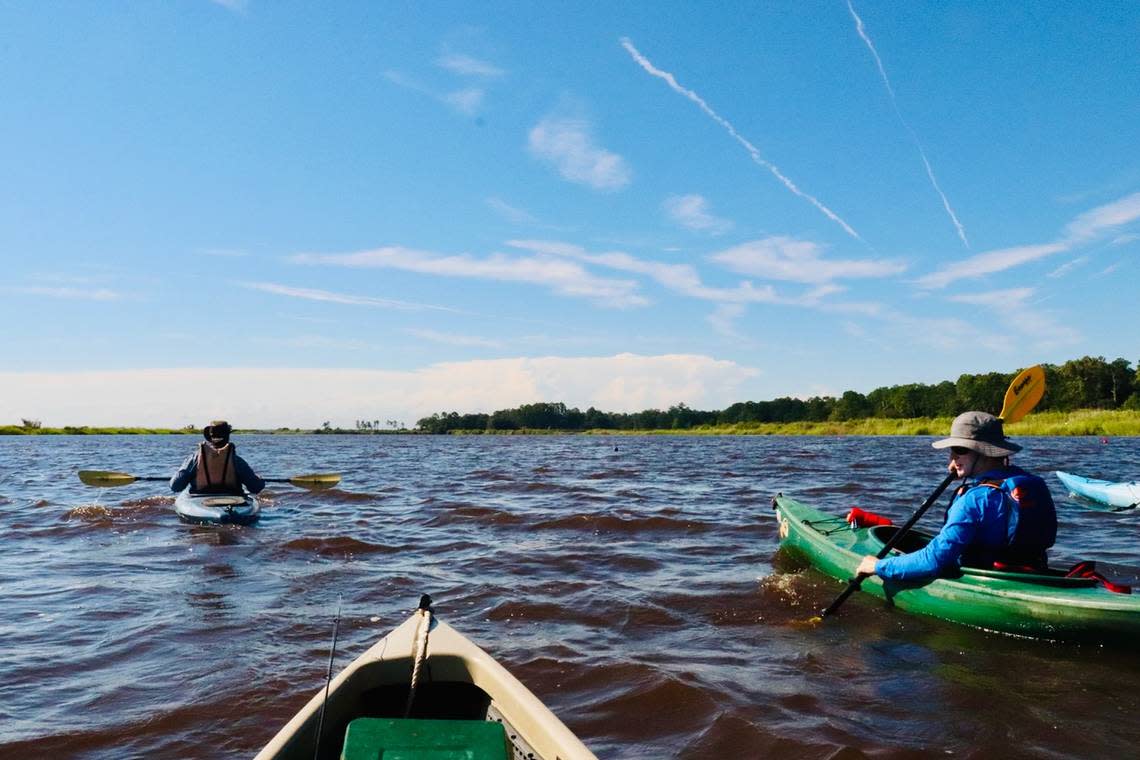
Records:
x=1047, y=605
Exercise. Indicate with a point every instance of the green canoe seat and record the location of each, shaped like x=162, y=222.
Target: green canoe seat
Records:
x=419, y=739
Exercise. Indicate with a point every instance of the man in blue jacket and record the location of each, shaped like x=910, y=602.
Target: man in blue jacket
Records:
x=1001, y=517
x=215, y=468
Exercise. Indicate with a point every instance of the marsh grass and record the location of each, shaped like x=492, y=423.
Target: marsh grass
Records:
x=85, y=430
x=1081, y=422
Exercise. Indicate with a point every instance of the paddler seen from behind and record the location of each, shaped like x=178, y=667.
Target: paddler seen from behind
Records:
x=215, y=468
x=1001, y=517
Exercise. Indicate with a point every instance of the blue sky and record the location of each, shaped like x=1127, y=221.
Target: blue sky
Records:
x=287, y=213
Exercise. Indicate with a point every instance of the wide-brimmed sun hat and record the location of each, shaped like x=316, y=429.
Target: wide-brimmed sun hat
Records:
x=981, y=432
x=217, y=430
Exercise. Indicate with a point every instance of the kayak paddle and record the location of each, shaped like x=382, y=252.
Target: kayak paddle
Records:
x=106, y=479
x=1024, y=392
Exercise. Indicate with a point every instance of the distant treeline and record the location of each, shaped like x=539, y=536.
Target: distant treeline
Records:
x=1086, y=383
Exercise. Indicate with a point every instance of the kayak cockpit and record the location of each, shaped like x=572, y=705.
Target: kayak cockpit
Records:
x=915, y=540
x=365, y=716
x=912, y=540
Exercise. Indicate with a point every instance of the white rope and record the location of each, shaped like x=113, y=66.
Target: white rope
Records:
x=420, y=654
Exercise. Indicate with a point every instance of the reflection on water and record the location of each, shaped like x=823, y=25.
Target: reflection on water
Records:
x=636, y=590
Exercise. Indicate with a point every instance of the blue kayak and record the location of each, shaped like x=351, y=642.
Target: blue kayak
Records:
x=215, y=508
x=1117, y=495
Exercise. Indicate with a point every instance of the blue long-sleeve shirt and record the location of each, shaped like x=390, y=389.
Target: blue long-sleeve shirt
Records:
x=245, y=474
x=977, y=520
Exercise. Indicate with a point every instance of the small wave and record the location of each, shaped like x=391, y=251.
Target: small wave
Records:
x=490, y=475
x=733, y=735
x=615, y=524
x=616, y=473
x=149, y=501
x=89, y=512
x=472, y=513
x=337, y=546
x=337, y=496
x=541, y=486
x=663, y=704
x=539, y=612
x=133, y=509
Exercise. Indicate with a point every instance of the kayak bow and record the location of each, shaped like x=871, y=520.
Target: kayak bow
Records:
x=1117, y=495
x=466, y=705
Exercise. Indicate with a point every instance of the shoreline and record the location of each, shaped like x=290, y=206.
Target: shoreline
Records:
x=1083, y=422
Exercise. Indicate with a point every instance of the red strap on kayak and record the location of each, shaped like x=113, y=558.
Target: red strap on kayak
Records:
x=1017, y=568
x=863, y=519
x=1087, y=569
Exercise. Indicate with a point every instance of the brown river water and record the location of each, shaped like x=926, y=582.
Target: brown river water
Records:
x=633, y=583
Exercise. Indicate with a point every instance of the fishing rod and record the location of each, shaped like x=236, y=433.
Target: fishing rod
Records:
x=328, y=679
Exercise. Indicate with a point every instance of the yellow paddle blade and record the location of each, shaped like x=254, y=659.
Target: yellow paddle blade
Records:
x=316, y=481
x=105, y=479
x=1023, y=394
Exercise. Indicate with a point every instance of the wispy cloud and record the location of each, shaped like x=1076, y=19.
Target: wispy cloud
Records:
x=692, y=212
x=1124, y=239
x=466, y=101
x=467, y=65
x=312, y=294
x=1017, y=313
x=753, y=151
x=918, y=144
x=724, y=319
x=237, y=6
x=509, y=212
x=568, y=145
x=1092, y=224
x=788, y=259
x=452, y=339
x=70, y=294
x=680, y=278
x=1067, y=267
x=563, y=277
x=1085, y=228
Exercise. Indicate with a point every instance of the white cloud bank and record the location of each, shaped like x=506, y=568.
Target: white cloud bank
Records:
x=267, y=398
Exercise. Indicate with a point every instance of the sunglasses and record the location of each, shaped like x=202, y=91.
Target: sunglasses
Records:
x=959, y=450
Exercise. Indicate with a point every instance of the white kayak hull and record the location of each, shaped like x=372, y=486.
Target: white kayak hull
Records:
x=214, y=508
x=1117, y=495
x=377, y=683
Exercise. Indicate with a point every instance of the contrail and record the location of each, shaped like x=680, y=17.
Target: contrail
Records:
x=752, y=150
x=894, y=103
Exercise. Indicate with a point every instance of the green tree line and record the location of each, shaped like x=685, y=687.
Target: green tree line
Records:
x=1085, y=383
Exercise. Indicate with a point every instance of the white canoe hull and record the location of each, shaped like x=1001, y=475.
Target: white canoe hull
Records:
x=204, y=508
x=377, y=683
x=1118, y=495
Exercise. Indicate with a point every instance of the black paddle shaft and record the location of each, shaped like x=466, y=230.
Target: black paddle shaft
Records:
x=854, y=584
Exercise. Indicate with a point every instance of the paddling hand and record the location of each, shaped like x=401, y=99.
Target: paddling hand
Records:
x=866, y=567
